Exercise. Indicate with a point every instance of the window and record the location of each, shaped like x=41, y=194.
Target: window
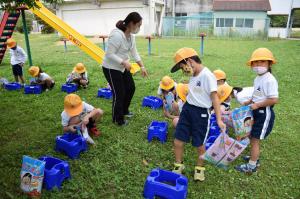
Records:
x=244, y=23
x=229, y=22
x=224, y=22
x=220, y=22
x=249, y=23
x=239, y=23
x=179, y=14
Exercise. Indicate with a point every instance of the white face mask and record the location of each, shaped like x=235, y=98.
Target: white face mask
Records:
x=260, y=70
x=136, y=31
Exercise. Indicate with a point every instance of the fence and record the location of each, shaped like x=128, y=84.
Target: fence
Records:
x=192, y=26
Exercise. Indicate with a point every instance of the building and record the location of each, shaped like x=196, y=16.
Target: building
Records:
x=187, y=7
x=241, y=17
x=98, y=17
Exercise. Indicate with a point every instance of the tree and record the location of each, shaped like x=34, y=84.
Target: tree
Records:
x=13, y=4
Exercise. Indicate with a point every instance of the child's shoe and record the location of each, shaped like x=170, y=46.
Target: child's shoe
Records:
x=199, y=174
x=94, y=131
x=246, y=168
x=178, y=168
x=246, y=158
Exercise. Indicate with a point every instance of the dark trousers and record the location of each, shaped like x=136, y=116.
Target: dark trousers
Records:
x=123, y=87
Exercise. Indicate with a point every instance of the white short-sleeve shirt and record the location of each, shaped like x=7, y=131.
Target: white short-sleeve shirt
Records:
x=265, y=86
x=43, y=77
x=200, y=88
x=65, y=118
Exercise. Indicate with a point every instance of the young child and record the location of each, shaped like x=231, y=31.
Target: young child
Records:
x=195, y=115
x=167, y=91
x=220, y=76
x=265, y=96
x=224, y=94
x=79, y=76
x=41, y=78
x=182, y=91
x=80, y=114
x=17, y=59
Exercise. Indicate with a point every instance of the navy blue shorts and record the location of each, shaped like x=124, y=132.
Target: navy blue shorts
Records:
x=17, y=70
x=263, y=122
x=193, y=123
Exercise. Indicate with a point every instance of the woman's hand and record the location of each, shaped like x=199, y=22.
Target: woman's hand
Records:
x=126, y=64
x=144, y=72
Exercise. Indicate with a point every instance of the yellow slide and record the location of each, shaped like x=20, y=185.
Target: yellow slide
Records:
x=83, y=43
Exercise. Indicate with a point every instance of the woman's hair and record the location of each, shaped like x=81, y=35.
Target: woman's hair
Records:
x=269, y=69
x=133, y=17
x=27, y=175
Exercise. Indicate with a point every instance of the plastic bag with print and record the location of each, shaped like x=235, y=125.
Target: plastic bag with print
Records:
x=242, y=119
x=32, y=175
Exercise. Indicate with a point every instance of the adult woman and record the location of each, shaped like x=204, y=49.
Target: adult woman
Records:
x=116, y=66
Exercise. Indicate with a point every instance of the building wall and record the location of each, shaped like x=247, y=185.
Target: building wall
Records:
x=190, y=7
x=260, y=22
x=92, y=19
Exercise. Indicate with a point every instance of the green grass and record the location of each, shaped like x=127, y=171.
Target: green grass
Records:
x=114, y=168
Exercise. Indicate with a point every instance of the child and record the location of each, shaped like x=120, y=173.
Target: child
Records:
x=78, y=113
x=79, y=76
x=167, y=91
x=195, y=116
x=17, y=59
x=265, y=96
x=224, y=94
x=182, y=91
x=41, y=78
x=220, y=76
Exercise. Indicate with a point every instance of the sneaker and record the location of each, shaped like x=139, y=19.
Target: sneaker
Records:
x=125, y=123
x=129, y=115
x=94, y=131
x=246, y=158
x=199, y=174
x=178, y=168
x=245, y=168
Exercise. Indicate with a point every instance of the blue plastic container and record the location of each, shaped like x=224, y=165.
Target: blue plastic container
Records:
x=152, y=102
x=210, y=141
x=71, y=144
x=105, y=93
x=165, y=184
x=56, y=171
x=158, y=130
x=69, y=87
x=13, y=86
x=32, y=89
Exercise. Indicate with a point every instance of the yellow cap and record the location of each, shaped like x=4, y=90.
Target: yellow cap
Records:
x=219, y=74
x=79, y=68
x=261, y=54
x=11, y=43
x=224, y=92
x=73, y=105
x=166, y=83
x=34, y=71
x=181, y=54
x=182, y=91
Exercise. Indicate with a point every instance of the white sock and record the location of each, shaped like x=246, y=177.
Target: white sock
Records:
x=252, y=164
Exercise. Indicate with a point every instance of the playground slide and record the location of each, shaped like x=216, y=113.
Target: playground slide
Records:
x=83, y=43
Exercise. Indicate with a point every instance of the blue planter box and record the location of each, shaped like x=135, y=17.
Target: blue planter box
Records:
x=71, y=144
x=56, y=171
x=36, y=89
x=158, y=130
x=165, y=184
x=13, y=86
x=69, y=88
x=105, y=93
x=152, y=102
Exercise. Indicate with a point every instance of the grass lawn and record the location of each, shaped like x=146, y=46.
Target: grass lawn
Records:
x=114, y=167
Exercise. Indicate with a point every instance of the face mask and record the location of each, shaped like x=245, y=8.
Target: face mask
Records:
x=260, y=70
x=187, y=69
x=136, y=31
